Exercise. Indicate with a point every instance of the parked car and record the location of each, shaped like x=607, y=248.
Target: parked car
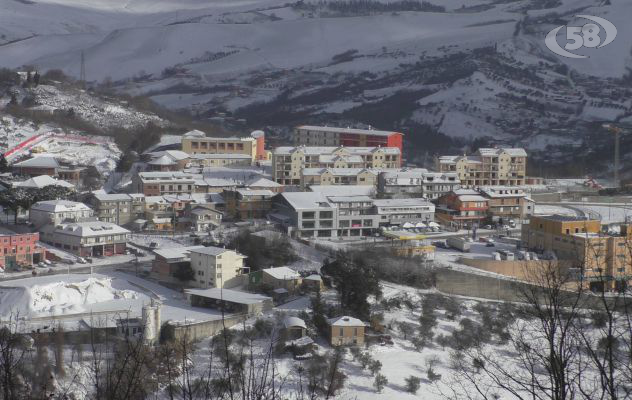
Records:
x=41, y=264
x=490, y=244
x=48, y=262
x=81, y=260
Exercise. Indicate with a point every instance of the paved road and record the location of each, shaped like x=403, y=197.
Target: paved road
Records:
x=61, y=269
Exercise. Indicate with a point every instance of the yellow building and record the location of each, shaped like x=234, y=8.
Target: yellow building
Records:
x=338, y=176
x=216, y=267
x=288, y=162
x=604, y=260
x=196, y=142
x=488, y=167
x=346, y=331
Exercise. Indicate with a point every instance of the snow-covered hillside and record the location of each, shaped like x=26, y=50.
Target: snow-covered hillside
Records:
x=463, y=68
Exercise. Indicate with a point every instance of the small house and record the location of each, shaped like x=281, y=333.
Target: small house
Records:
x=346, y=331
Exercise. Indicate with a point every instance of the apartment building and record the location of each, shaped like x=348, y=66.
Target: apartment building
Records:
x=314, y=214
x=88, y=238
x=288, y=162
x=19, y=250
x=462, y=208
x=161, y=183
x=488, y=167
x=309, y=135
x=337, y=176
x=507, y=202
x=220, y=160
x=196, y=142
x=245, y=203
x=417, y=182
x=603, y=260
x=58, y=211
x=216, y=267
x=119, y=209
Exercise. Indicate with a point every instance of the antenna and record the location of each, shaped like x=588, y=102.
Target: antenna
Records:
x=82, y=74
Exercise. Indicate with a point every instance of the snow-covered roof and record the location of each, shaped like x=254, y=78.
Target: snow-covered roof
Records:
x=371, y=132
x=305, y=200
x=294, y=322
x=282, y=273
x=210, y=251
x=502, y=191
x=314, y=277
x=250, y=192
x=512, y=151
x=162, y=160
x=112, y=196
x=345, y=321
x=218, y=182
x=194, y=134
x=233, y=296
x=55, y=206
x=43, y=161
x=343, y=190
x=176, y=155
x=262, y=182
x=42, y=181
x=88, y=229
x=328, y=150
x=176, y=253
x=350, y=199
x=412, y=202
x=221, y=156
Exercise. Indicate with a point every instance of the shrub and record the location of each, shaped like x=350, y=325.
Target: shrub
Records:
x=379, y=382
x=412, y=384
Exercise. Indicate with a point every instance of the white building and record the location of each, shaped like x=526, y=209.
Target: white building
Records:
x=215, y=267
x=86, y=239
x=57, y=211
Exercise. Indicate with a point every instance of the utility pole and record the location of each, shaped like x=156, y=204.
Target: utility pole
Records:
x=82, y=73
x=617, y=141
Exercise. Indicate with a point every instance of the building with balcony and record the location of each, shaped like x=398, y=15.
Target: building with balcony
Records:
x=245, y=203
x=220, y=160
x=507, y=202
x=196, y=142
x=331, y=136
x=314, y=214
x=462, y=208
x=288, y=162
x=161, y=183
x=488, y=167
x=337, y=176
x=416, y=182
x=119, y=209
x=88, y=238
x=58, y=211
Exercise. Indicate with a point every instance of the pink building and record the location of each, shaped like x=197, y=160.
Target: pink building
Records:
x=20, y=250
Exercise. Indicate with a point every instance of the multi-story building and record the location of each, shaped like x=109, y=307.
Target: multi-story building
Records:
x=119, y=209
x=288, y=162
x=417, y=182
x=203, y=218
x=488, y=167
x=161, y=183
x=345, y=331
x=86, y=239
x=58, y=211
x=604, y=260
x=507, y=202
x=314, y=214
x=462, y=208
x=330, y=136
x=244, y=203
x=196, y=142
x=337, y=176
x=216, y=267
x=19, y=250
x=220, y=160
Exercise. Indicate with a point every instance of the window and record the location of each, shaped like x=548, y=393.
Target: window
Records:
x=341, y=332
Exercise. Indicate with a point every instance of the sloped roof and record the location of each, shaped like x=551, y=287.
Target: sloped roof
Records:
x=162, y=160
x=59, y=206
x=282, y=273
x=88, y=228
x=293, y=322
x=345, y=321
x=371, y=132
x=233, y=296
x=43, y=161
x=262, y=182
x=42, y=181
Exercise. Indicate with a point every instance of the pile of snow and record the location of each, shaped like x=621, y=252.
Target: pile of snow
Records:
x=59, y=298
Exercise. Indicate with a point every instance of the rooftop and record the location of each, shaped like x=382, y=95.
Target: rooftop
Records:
x=332, y=129
x=176, y=253
x=87, y=229
x=43, y=161
x=59, y=206
x=43, y=181
x=564, y=218
x=229, y=295
x=282, y=273
x=345, y=321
